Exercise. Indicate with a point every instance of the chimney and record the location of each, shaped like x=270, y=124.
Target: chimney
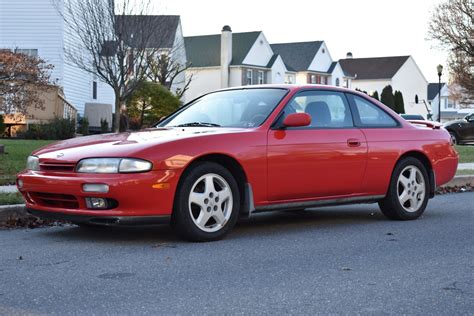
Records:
x=226, y=55
x=349, y=55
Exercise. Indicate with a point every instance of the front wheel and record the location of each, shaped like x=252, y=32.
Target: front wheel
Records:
x=408, y=193
x=207, y=203
x=454, y=138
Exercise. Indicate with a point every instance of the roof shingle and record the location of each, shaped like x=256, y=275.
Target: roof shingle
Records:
x=205, y=50
x=373, y=68
x=297, y=56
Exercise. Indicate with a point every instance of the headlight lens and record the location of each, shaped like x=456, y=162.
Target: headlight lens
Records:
x=32, y=163
x=113, y=165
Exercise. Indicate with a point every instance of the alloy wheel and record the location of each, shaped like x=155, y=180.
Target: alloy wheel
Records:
x=411, y=188
x=210, y=202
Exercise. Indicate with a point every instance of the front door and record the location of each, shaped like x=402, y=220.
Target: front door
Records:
x=325, y=159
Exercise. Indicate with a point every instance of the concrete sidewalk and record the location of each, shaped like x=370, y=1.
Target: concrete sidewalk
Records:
x=466, y=166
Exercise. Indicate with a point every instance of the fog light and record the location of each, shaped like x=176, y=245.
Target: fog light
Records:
x=95, y=188
x=96, y=203
x=19, y=183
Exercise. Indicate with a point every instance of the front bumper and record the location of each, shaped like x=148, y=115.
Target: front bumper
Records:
x=103, y=220
x=138, y=194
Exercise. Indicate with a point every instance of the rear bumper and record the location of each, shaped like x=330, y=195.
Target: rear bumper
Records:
x=102, y=220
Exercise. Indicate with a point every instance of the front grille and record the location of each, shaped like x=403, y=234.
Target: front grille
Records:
x=55, y=200
x=57, y=167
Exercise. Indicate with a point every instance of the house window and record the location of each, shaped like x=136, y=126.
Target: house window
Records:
x=94, y=90
x=260, y=77
x=337, y=82
x=249, y=76
x=29, y=52
x=318, y=79
x=313, y=78
x=289, y=79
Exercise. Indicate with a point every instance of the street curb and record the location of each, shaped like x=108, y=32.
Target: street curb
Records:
x=460, y=181
x=18, y=211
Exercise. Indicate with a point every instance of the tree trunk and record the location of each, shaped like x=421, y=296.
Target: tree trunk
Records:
x=117, y=112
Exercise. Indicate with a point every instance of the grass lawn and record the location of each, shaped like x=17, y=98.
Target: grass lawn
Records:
x=465, y=172
x=11, y=198
x=14, y=159
x=466, y=153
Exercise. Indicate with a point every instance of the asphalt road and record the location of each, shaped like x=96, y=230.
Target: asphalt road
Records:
x=333, y=260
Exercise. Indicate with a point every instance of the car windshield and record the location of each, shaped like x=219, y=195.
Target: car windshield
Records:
x=230, y=108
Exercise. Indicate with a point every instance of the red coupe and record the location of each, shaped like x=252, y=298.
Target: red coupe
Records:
x=235, y=152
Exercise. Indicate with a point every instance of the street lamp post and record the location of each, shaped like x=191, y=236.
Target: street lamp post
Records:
x=439, y=68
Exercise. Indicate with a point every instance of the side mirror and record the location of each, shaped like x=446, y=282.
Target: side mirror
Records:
x=297, y=120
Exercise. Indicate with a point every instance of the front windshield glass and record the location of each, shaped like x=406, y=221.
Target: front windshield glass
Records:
x=231, y=108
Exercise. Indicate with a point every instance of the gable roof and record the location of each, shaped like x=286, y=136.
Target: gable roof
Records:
x=331, y=68
x=205, y=50
x=373, y=68
x=297, y=56
x=163, y=29
x=433, y=89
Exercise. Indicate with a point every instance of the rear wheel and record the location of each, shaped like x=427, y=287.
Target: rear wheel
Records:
x=408, y=193
x=207, y=203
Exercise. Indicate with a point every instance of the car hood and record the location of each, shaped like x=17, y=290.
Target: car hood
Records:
x=121, y=144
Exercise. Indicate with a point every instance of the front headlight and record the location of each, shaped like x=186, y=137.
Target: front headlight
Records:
x=113, y=165
x=32, y=163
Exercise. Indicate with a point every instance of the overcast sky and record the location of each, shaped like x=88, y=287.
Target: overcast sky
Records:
x=367, y=28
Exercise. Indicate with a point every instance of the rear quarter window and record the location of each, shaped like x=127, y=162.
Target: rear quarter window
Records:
x=370, y=115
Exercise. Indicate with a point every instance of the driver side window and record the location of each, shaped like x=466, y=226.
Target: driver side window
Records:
x=328, y=109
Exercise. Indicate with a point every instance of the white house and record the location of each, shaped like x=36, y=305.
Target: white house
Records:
x=401, y=72
x=230, y=59
x=35, y=27
x=311, y=62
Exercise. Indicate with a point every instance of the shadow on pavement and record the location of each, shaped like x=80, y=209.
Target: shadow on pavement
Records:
x=265, y=223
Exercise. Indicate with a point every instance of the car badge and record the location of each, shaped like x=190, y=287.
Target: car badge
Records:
x=59, y=155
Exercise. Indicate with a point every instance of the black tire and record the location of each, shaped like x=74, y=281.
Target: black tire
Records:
x=182, y=218
x=391, y=206
x=454, y=138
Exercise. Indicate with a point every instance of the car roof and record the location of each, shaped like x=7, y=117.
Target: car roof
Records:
x=292, y=87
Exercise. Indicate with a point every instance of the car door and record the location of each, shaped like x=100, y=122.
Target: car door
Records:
x=325, y=159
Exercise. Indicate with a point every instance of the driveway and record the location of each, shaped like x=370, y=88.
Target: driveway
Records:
x=338, y=260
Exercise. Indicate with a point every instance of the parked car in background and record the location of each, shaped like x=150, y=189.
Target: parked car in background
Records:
x=235, y=152
x=418, y=117
x=461, y=131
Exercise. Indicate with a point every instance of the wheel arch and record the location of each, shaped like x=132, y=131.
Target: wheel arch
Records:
x=237, y=171
x=423, y=158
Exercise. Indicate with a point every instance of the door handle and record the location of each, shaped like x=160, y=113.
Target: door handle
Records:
x=353, y=142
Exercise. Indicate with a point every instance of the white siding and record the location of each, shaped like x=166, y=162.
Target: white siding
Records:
x=235, y=77
x=204, y=80
x=36, y=24
x=410, y=81
x=322, y=60
x=371, y=85
x=277, y=74
x=260, y=53
x=179, y=57
x=337, y=73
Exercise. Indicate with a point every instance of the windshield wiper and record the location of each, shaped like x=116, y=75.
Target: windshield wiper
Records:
x=198, y=124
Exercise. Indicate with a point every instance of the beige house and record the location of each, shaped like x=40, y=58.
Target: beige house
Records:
x=55, y=106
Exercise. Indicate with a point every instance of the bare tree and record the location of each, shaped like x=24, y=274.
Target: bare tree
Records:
x=23, y=78
x=113, y=40
x=166, y=70
x=452, y=26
